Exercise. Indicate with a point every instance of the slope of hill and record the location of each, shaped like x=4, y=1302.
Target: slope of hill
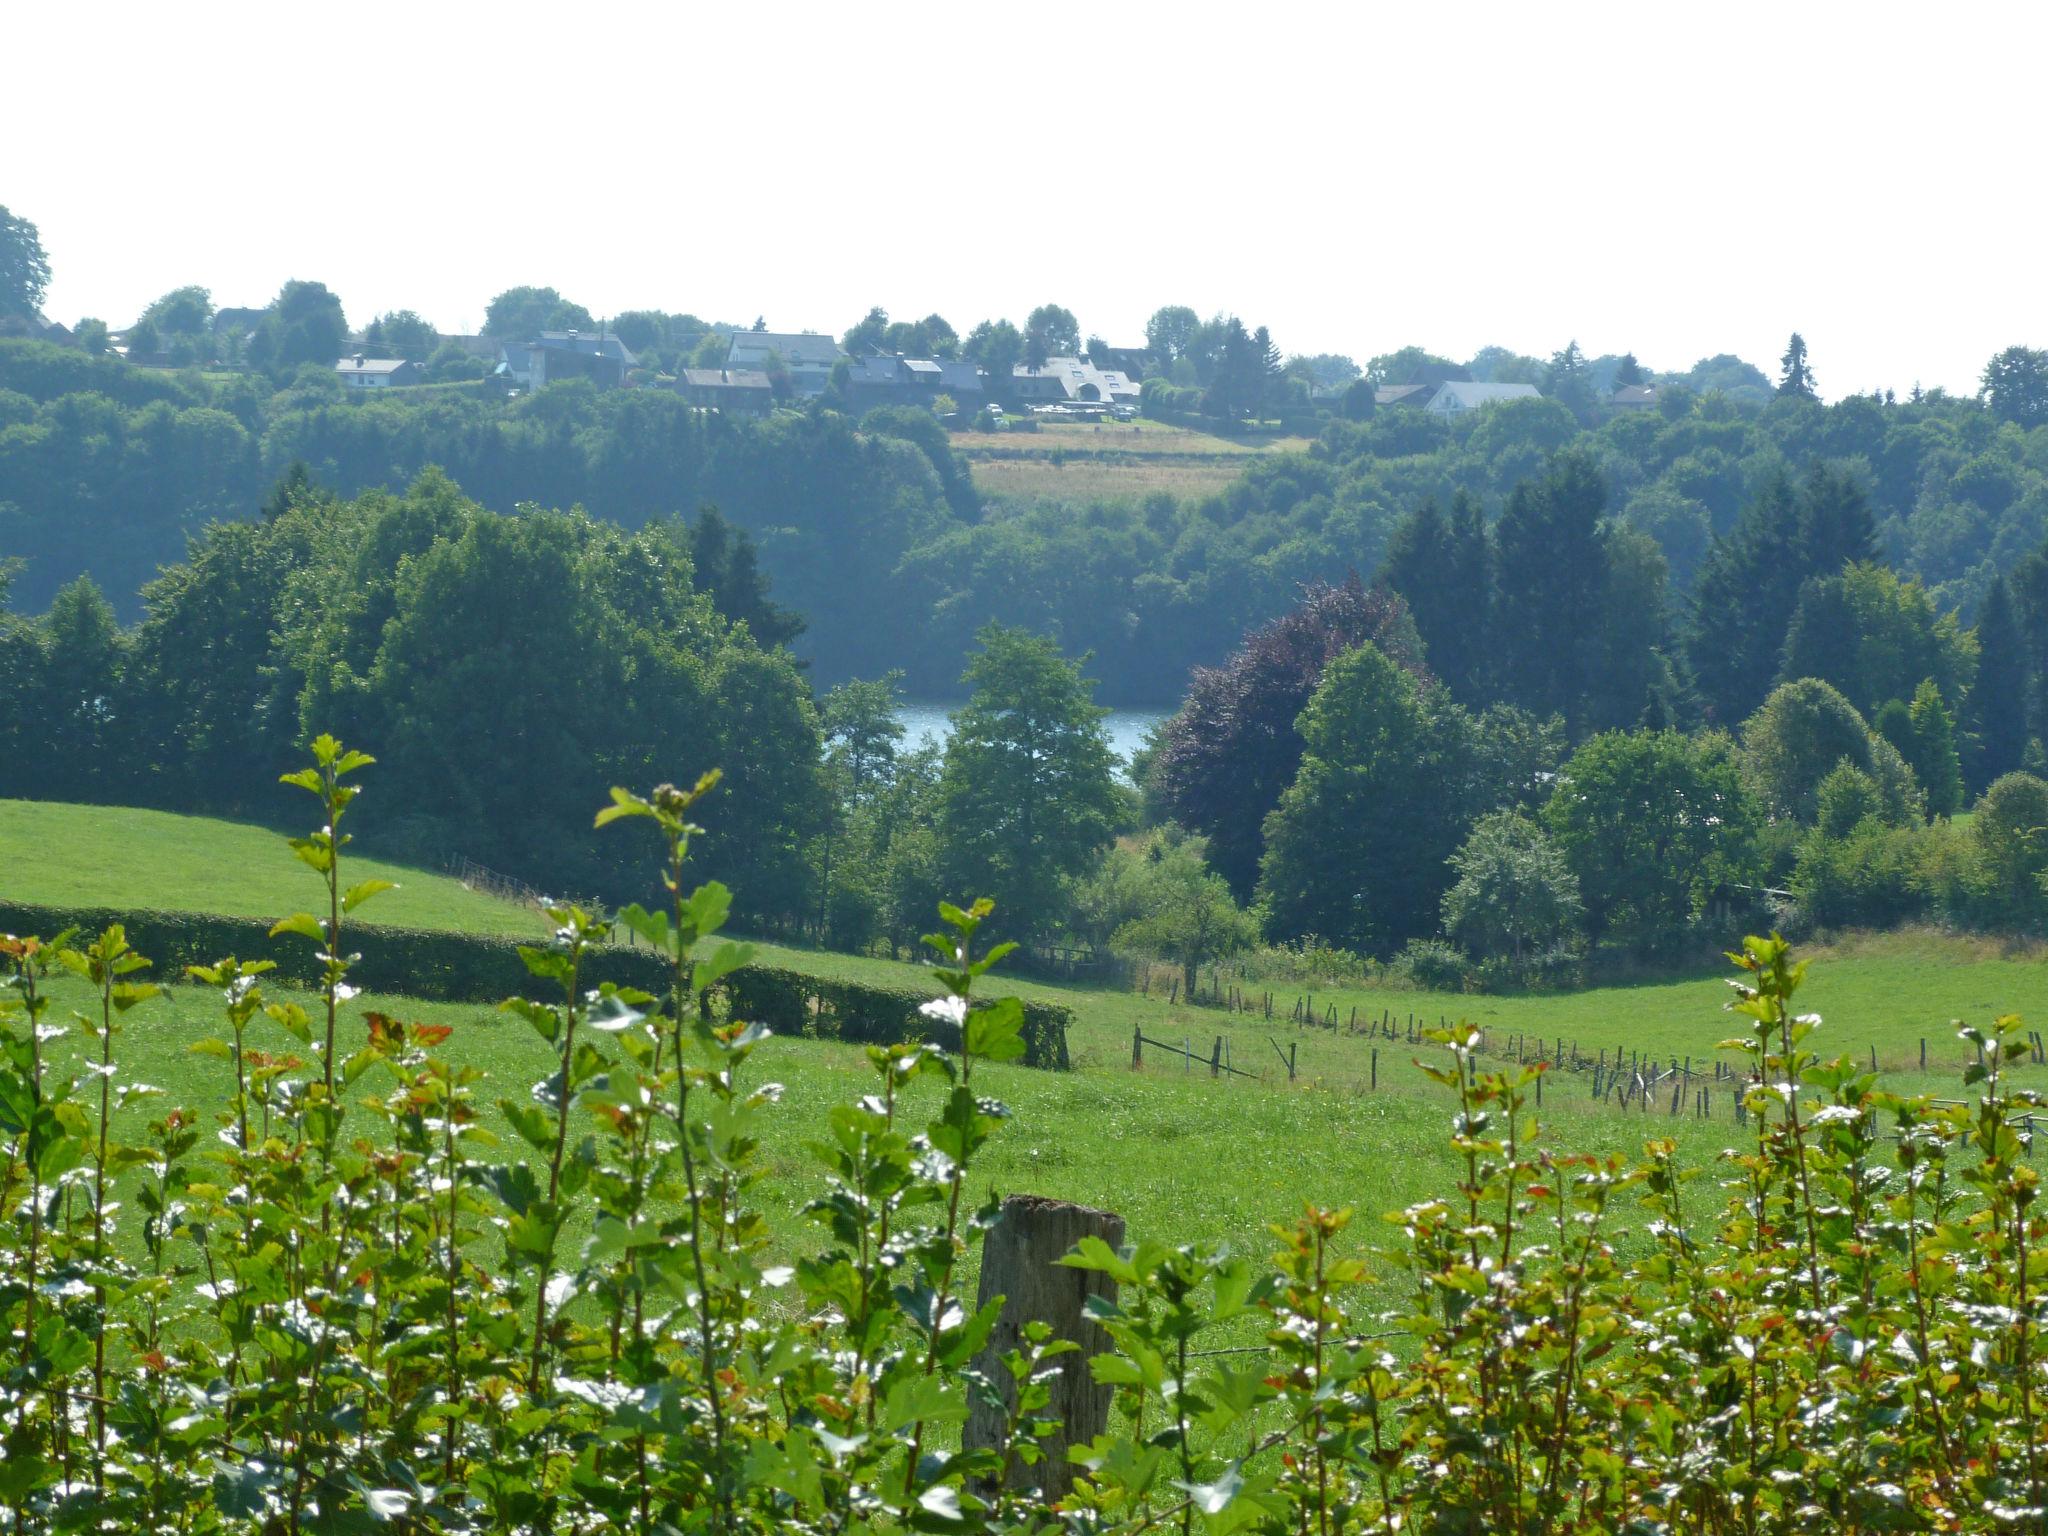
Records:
x=115, y=856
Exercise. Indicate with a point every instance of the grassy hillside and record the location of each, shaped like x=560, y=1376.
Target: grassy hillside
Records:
x=110, y=856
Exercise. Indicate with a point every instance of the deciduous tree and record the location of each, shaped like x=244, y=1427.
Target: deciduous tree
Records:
x=1027, y=798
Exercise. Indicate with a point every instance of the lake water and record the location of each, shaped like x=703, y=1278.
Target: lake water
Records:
x=926, y=721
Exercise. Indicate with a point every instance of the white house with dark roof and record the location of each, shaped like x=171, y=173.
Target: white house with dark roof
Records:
x=1072, y=380
x=1453, y=398
x=360, y=372
x=806, y=356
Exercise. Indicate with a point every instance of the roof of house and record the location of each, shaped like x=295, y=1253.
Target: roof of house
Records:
x=1074, y=373
x=604, y=344
x=1402, y=394
x=1634, y=394
x=798, y=349
x=726, y=378
x=1456, y=395
x=369, y=365
x=924, y=367
x=957, y=374
x=882, y=368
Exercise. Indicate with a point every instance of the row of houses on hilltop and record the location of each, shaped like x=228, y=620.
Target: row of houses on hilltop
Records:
x=759, y=365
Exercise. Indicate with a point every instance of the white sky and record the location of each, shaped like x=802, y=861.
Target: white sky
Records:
x=1678, y=180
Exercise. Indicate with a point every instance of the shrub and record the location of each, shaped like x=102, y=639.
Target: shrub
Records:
x=479, y=968
x=1432, y=965
x=2010, y=831
x=1515, y=897
x=1875, y=876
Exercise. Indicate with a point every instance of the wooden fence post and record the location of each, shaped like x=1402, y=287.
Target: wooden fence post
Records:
x=1137, y=1046
x=1375, y=1066
x=1020, y=1263
x=1216, y=1058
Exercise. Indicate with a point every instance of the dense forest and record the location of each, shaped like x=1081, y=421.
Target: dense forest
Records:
x=871, y=528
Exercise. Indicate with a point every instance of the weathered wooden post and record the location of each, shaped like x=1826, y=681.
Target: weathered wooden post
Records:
x=1375, y=1067
x=1216, y=1058
x=1137, y=1046
x=1020, y=1263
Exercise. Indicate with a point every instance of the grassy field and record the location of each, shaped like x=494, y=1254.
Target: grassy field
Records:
x=1108, y=460
x=109, y=856
x=1180, y=1154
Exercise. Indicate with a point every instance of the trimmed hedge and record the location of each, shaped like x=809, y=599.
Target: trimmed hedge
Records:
x=452, y=967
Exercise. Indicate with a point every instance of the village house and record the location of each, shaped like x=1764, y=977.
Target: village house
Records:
x=1416, y=395
x=1453, y=398
x=555, y=355
x=889, y=380
x=731, y=391
x=807, y=357
x=360, y=372
x=1634, y=397
x=1071, y=381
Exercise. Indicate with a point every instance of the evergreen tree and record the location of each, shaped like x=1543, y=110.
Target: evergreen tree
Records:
x=1628, y=371
x=1551, y=581
x=1749, y=584
x=1836, y=527
x=1796, y=376
x=1442, y=566
x=1569, y=380
x=1998, y=702
x=1934, y=758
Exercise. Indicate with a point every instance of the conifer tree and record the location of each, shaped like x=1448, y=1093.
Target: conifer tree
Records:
x=1796, y=376
x=1997, y=711
x=1935, y=761
x=1441, y=565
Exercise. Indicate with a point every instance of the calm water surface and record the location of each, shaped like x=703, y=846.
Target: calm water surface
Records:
x=927, y=721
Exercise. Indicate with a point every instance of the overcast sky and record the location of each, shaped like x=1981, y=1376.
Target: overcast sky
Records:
x=1678, y=180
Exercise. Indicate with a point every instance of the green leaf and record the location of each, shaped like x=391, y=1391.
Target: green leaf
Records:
x=624, y=803
x=531, y=1122
x=995, y=1033
x=210, y=1047
x=920, y=1398
x=707, y=908
x=127, y=994
x=302, y=923
x=652, y=927
x=358, y=894
x=239, y=1490
x=545, y=1021
x=726, y=959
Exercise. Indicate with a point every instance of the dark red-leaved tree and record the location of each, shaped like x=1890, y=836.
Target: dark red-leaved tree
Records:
x=1225, y=758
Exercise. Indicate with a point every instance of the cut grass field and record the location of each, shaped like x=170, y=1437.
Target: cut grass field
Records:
x=1108, y=461
x=114, y=856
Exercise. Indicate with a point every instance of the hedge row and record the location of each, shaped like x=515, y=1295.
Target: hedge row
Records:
x=478, y=968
